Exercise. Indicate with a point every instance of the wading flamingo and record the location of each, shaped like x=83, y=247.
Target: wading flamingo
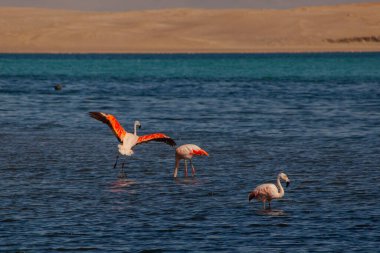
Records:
x=267, y=192
x=186, y=152
x=128, y=140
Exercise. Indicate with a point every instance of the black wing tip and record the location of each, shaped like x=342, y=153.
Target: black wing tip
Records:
x=93, y=114
x=171, y=142
x=98, y=116
x=167, y=140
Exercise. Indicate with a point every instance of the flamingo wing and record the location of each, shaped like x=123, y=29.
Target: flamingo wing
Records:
x=199, y=152
x=191, y=149
x=266, y=191
x=156, y=137
x=112, y=122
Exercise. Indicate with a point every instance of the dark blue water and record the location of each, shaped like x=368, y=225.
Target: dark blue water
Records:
x=314, y=116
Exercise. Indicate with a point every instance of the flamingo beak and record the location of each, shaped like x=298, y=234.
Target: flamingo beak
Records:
x=287, y=183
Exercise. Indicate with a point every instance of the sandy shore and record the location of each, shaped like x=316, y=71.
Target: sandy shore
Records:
x=316, y=29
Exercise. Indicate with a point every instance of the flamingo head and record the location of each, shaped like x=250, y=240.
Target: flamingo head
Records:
x=137, y=124
x=284, y=177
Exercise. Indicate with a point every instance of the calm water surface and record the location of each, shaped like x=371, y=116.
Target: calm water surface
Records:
x=314, y=116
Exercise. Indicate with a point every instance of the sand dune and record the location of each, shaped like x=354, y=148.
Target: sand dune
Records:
x=332, y=28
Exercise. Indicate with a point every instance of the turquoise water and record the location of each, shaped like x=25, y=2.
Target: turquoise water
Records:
x=314, y=116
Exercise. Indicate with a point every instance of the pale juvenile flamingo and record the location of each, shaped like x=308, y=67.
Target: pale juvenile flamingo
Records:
x=129, y=140
x=267, y=192
x=186, y=152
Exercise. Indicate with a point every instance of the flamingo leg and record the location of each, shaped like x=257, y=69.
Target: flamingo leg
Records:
x=192, y=169
x=117, y=158
x=122, y=172
x=269, y=205
x=175, y=172
x=185, y=168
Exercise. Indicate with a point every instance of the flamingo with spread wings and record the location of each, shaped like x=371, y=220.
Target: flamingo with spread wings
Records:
x=129, y=140
x=186, y=152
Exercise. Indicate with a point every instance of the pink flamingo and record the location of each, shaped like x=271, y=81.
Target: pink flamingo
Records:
x=186, y=152
x=267, y=192
x=129, y=140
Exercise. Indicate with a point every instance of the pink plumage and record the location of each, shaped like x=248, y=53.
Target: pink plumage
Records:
x=186, y=152
x=268, y=192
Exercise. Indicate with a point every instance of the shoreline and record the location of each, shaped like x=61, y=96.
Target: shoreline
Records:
x=191, y=53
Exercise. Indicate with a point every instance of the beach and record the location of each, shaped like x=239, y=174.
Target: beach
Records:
x=342, y=28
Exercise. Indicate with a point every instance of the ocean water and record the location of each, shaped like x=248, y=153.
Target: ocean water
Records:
x=315, y=117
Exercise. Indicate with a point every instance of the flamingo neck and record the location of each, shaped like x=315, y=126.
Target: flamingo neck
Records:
x=135, y=129
x=176, y=167
x=177, y=162
x=282, y=192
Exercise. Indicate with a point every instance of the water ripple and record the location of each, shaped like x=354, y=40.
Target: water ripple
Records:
x=256, y=115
